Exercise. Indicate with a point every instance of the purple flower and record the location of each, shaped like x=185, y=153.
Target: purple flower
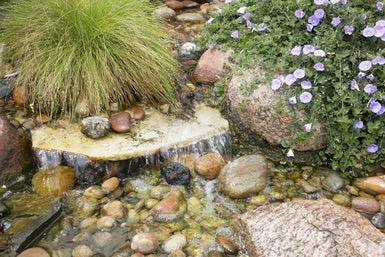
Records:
x=334, y=1
x=306, y=84
x=378, y=60
x=370, y=89
x=235, y=34
x=319, y=53
x=358, y=124
x=296, y=50
x=313, y=20
x=319, y=66
x=381, y=111
x=363, y=18
x=379, y=30
x=348, y=30
x=299, y=14
x=370, y=77
x=372, y=148
x=354, y=85
x=368, y=32
x=319, y=13
x=299, y=73
x=344, y=2
x=261, y=26
x=375, y=106
x=290, y=79
x=249, y=25
x=246, y=16
x=309, y=27
x=305, y=97
x=365, y=65
x=379, y=6
x=211, y=46
x=321, y=2
x=292, y=100
x=361, y=74
x=307, y=127
x=276, y=83
x=336, y=21
x=380, y=23
x=307, y=49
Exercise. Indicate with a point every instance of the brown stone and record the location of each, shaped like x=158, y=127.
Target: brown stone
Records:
x=209, y=165
x=376, y=184
x=138, y=114
x=121, y=122
x=34, y=252
x=175, y=5
x=15, y=151
x=42, y=118
x=114, y=209
x=53, y=180
x=111, y=184
x=144, y=243
x=189, y=4
x=171, y=207
x=365, y=205
x=308, y=228
x=19, y=95
x=210, y=66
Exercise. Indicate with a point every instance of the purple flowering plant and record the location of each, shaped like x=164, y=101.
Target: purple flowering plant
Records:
x=329, y=57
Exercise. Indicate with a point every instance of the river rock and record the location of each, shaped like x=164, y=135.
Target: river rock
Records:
x=4, y=210
x=365, y=205
x=121, y=122
x=171, y=207
x=94, y=192
x=16, y=152
x=6, y=87
x=138, y=113
x=259, y=115
x=376, y=184
x=144, y=243
x=244, y=176
x=189, y=51
x=342, y=199
x=82, y=251
x=111, y=184
x=175, y=242
x=378, y=220
x=102, y=239
x=114, y=209
x=227, y=244
x=88, y=223
x=19, y=95
x=333, y=183
x=164, y=13
x=210, y=66
x=177, y=253
x=106, y=222
x=190, y=17
x=174, y=4
x=176, y=174
x=34, y=252
x=308, y=228
x=189, y=4
x=209, y=165
x=95, y=127
x=53, y=180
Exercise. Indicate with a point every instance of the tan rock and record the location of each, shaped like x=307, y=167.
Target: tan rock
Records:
x=111, y=184
x=106, y=222
x=209, y=165
x=365, y=205
x=376, y=184
x=34, y=252
x=114, y=209
x=144, y=243
x=210, y=66
x=82, y=251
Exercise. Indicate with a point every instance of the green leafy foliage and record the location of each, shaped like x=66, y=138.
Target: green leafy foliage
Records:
x=69, y=51
x=335, y=105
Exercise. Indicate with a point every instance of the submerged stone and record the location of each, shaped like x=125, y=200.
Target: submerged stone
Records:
x=176, y=174
x=376, y=184
x=144, y=243
x=172, y=207
x=209, y=165
x=53, y=180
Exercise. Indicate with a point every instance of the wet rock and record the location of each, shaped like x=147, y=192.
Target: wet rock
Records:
x=172, y=207
x=209, y=165
x=260, y=117
x=307, y=188
x=190, y=17
x=82, y=251
x=102, y=239
x=128, y=187
x=177, y=253
x=210, y=66
x=189, y=4
x=114, y=209
x=243, y=177
x=4, y=210
x=53, y=180
x=213, y=253
x=365, y=205
x=87, y=206
x=94, y=192
x=111, y=184
x=6, y=87
x=194, y=206
x=326, y=229
x=164, y=13
x=88, y=223
x=137, y=255
x=227, y=244
x=175, y=242
x=34, y=252
x=342, y=199
x=19, y=95
x=333, y=183
x=189, y=51
x=121, y=122
x=378, y=220
x=138, y=113
x=352, y=190
x=176, y=174
x=144, y=243
x=16, y=152
x=376, y=184
x=174, y=4
x=158, y=192
x=106, y=222
x=95, y=127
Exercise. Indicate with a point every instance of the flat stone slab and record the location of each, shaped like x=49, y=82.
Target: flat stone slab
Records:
x=157, y=133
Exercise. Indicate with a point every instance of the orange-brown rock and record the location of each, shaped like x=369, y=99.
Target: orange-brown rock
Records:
x=34, y=252
x=138, y=113
x=171, y=207
x=175, y=5
x=53, y=180
x=210, y=66
x=209, y=165
x=42, y=118
x=376, y=184
x=19, y=95
x=365, y=205
x=111, y=184
x=189, y=4
x=121, y=122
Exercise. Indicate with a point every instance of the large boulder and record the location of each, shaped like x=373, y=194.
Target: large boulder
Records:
x=257, y=111
x=16, y=152
x=308, y=228
x=210, y=66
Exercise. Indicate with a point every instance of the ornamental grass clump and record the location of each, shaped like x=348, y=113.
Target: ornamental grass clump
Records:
x=330, y=57
x=91, y=51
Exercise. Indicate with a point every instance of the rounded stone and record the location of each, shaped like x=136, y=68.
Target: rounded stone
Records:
x=34, y=252
x=53, y=180
x=190, y=17
x=189, y=51
x=138, y=113
x=19, y=95
x=376, y=184
x=243, y=177
x=174, y=4
x=88, y=223
x=121, y=122
x=106, y=222
x=227, y=244
x=144, y=243
x=111, y=184
x=365, y=205
x=164, y=13
x=176, y=174
x=94, y=192
x=175, y=242
x=114, y=209
x=82, y=251
x=177, y=253
x=342, y=199
x=95, y=127
x=137, y=255
x=333, y=183
x=378, y=220
x=4, y=210
x=102, y=239
x=209, y=165
x=171, y=207
x=87, y=206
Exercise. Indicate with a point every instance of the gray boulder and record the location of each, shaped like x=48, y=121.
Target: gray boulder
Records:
x=95, y=127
